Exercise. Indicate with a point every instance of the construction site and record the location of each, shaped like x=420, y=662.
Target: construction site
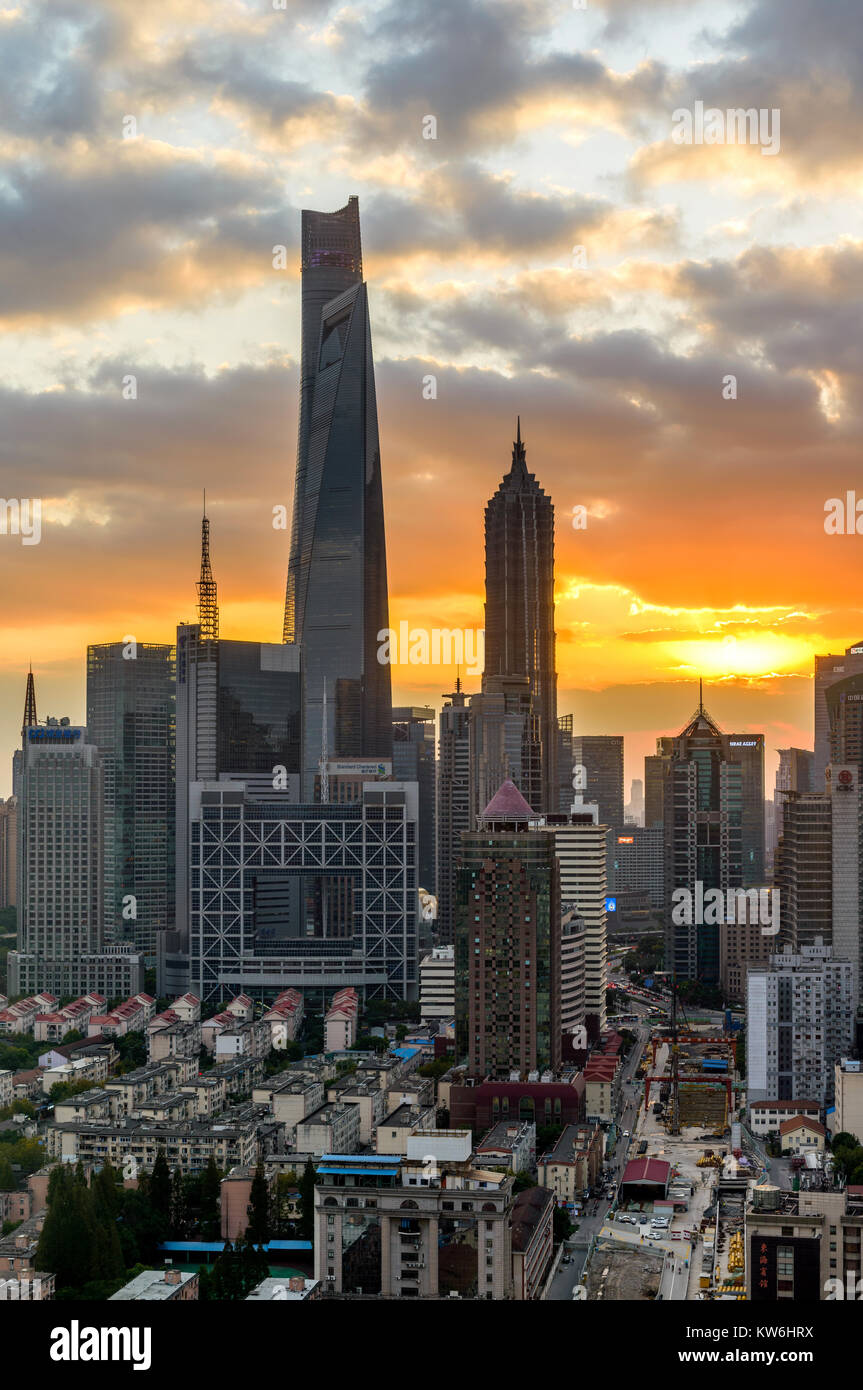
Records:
x=683, y=1188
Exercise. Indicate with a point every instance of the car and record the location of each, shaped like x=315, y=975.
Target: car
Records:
x=625, y=1134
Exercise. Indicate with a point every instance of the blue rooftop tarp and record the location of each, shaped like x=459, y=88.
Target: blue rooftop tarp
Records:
x=363, y=1172
x=204, y=1247
x=357, y=1158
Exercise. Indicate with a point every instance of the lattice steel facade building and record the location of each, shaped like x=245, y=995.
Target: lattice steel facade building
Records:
x=237, y=844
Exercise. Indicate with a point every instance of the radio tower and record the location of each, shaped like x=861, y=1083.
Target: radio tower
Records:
x=208, y=605
x=29, y=702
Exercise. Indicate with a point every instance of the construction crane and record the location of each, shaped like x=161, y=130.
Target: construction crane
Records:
x=674, y=1069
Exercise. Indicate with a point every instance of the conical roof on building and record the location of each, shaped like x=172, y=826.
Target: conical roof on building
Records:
x=507, y=804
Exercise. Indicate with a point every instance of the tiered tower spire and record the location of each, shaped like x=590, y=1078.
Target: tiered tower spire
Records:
x=29, y=702
x=208, y=602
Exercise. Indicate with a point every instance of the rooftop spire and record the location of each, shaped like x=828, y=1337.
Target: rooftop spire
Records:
x=519, y=458
x=29, y=702
x=208, y=603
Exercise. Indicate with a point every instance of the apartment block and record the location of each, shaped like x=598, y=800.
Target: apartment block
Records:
x=413, y=1227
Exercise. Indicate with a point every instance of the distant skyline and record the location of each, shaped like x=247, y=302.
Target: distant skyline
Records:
x=153, y=256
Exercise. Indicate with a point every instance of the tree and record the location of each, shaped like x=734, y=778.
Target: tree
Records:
x=106, y=1190
x=562, y=1225
x=73, y=1035
x=209, y=1194
x=523, y=1180
x=7, y=1177
x=79, y=1242
x=159, y=1188
x=258, y=1229
x=179, y=1205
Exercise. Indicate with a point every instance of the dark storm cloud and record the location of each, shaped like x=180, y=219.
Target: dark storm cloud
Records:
x=139, y=224
x=461, y=208
x=478, y=68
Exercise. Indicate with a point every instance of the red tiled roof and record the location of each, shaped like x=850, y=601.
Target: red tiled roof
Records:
x=801, y=1122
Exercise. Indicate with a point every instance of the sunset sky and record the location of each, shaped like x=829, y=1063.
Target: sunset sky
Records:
x=704, y=552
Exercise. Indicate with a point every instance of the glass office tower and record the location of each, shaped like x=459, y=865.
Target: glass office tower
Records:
x=336, y=597
x=131, y=720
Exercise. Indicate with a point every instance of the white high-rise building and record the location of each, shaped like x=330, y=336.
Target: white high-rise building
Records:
x=437, y=984
x=799, y=1021
x=581, y=847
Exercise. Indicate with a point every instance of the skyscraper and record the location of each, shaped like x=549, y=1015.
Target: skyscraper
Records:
x=829, y=670
x=131, y=720
x=238, y=715
x=601, y=756
x=697, y=791
x=519, y=607
x=795, y=773
x=508, y=947
x=453, y=803
x=564, y=762
x=336, y=597
x=60, y=875
x=800, y=1022
x=414, y=761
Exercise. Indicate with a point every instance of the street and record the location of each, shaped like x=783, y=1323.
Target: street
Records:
x=587, y=1223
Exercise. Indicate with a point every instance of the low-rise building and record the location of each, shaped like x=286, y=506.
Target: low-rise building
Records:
x=241, y=1039
x=291, y=1098
x=340, y=1021
x=394, y=1131
x=802, y=1135
x=20, y=1017
x=532, y=1223
x=174, y=1040
x=766, y=1116
x=332, y=1128
x=235, y=1198
x=93, y=1068
x=89, y=1105
x=18, y=1249
x=412, y=1228
x=284, y=1018
x=295, y=1289
x=159, y=1286
x=236, y=1138
x=38, y=1287
x=209, y=1094
x=574, y=1163
x=601, y=1088
x=808, y=1250
x=371, y=1101
x=16, y=1206
x=510, y=1145
x=555, y=1101
x=129, y=1017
